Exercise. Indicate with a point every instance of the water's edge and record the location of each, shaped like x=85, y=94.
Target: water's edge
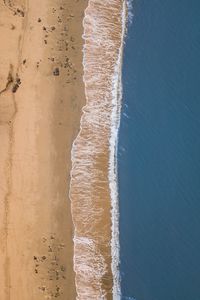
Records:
x=102, y=63
x=113, y=176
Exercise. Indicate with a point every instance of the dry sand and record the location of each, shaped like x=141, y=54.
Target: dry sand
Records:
x=41, y=95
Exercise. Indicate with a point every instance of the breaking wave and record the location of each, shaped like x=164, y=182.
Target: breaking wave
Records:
x=93, y=186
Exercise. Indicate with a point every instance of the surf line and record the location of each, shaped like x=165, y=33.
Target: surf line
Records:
x=93, y=185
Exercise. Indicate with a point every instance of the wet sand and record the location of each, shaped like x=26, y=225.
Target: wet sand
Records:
x=93, y=189
x=41, y=96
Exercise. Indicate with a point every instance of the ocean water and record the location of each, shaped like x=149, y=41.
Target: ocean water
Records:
x=159, y=153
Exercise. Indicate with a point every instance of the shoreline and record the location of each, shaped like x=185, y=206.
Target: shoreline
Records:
x=93, y=185
x=113, y=174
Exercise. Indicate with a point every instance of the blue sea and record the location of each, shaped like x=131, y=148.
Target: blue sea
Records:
x=159, y=153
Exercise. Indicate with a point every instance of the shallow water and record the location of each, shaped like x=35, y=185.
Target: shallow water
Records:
x=93, y=188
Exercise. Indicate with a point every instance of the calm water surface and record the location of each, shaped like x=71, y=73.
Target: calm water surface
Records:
x=159, y=153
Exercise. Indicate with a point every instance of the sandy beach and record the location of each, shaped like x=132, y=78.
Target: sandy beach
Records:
x=41, y=96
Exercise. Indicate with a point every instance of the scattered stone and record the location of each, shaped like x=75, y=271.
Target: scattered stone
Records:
x=62, y=268
x=39, y=20
x=42, y=288
x=56, y=72
x=59, y=20
x=16, y=85
x=18, y=80
x=20, y=12
x=50, y=249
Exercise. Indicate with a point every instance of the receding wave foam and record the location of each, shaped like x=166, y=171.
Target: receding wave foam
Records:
x=93, y=187
x=130, y=11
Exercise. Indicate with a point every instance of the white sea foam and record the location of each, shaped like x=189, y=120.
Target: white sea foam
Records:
x=91, y=184
x=130, y=11
x=116, y=101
